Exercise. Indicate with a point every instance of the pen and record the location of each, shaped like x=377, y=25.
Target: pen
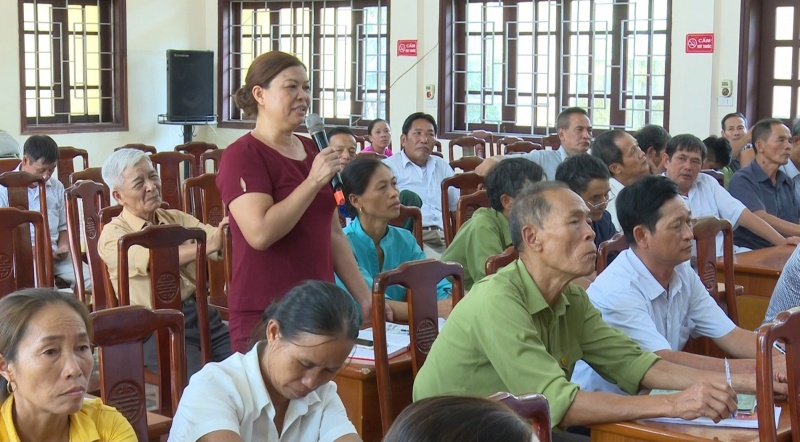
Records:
x=778, y=347
x=728, y=378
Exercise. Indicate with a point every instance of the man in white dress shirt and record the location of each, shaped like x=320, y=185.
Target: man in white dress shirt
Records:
x=626, y=162
x=792, y=168
x=574, y=133
x=39, y=157
x=683, y=157
x=651, y=293
x=422, y=173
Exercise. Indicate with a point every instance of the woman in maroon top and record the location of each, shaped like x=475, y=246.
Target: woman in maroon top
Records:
x=277, y=188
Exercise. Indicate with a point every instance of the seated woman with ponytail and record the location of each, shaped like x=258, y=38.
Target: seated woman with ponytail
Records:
x=282, y=389
x=371, y=195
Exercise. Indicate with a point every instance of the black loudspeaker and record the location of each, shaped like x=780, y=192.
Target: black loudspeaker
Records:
x=190, y=86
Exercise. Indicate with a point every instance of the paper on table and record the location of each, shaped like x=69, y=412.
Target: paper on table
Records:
x=745, y=421
x=397, y=341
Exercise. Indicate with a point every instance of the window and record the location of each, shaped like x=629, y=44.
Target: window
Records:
x=511, y=66
x=343, y=43
x=71, y=65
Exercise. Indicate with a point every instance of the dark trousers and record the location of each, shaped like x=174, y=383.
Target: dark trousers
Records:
x=220, y=339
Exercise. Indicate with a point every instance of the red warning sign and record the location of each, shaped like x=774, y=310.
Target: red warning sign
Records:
x=406, y=48
x=699, y=43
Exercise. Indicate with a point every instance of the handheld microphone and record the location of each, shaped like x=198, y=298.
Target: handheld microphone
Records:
x=317, y=131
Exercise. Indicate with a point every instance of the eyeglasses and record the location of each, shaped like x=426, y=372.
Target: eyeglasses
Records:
x=597, y=203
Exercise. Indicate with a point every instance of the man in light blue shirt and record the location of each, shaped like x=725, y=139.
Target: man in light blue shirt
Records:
x=575, y=134
x=792, y=168
x=39, y=157
x=651, y=293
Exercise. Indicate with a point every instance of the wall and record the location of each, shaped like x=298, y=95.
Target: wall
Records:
x=152, y=27
x=155, y=26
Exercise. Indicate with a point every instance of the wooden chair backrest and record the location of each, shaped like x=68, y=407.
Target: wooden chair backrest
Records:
x=532, y=406
x=138, y=146
x=616, y=244
x=165, y=272
x=17, y=184
x=168, y=165
x=197, y=149
x=420, y=279
x=410, y=212
x=22, y=265
x=215, y=156
x=522, y=147
x=466, y=164
x=486, y=136
x=119, y=333
x=87, y=198
x=497, y=262
x=552, y=140
x=66, y=165
x=92, y=174
x=467, y=183
x=467, y=205
x=9, y=164
x=470, y=146
x=361, y=142
x=505, y=141
x=705, y=235
x=785, y=329
x=437, y=147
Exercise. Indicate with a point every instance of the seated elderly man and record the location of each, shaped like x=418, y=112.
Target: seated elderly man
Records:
x=39, y=157
x=651, y=293
x=683, y=158
x=588, y=177
x=137, y=188
x=523, y=329
x=486, y=233
x=764, y=188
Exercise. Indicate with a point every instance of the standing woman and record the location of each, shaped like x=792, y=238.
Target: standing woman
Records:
x=380, y=137
x=276, y=186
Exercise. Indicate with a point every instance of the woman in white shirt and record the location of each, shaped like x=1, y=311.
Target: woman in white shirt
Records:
x=282, y=389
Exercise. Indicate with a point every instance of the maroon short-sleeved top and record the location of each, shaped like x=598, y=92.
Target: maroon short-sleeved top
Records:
x=304, y=253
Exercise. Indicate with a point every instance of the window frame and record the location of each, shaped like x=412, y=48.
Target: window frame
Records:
x=112, y=80
x=225, y=69
x=450, y=112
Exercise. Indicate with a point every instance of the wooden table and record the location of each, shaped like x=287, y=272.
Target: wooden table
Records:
x=358, y=389
x=757, y=271
x=647, y=431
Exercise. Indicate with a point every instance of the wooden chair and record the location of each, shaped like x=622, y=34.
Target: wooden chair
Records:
x=92, y=174
x=497, y=262
x=785, y=329
x=467, y=205
x=552, y=141
x=420, y=279
x=165, y=273
x=522, y=147
x=197, y=149
x=467, y=183
x=505, y=141
x=138, y=146
x=437, y=154
x=437, y=147
x=361, y=142
x=210, y=211
x=18, y=184
x=616, y=244
x=466, y=164
x=215, y=156
x=9, y=164
x=23, y=265
x=119, y=334
x=168, y=165
x=531, y=406
x=66, y=163
x=87, y=198
x=470, y=146
x=705, y=234
x=719, y=176
x=410, y=212
x=486, y=136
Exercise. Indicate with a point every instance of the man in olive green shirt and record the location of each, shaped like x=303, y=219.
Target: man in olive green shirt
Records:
x=486, y=233
x=523, y=329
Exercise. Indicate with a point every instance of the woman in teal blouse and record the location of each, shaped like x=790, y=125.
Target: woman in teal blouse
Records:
x=372, y=197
